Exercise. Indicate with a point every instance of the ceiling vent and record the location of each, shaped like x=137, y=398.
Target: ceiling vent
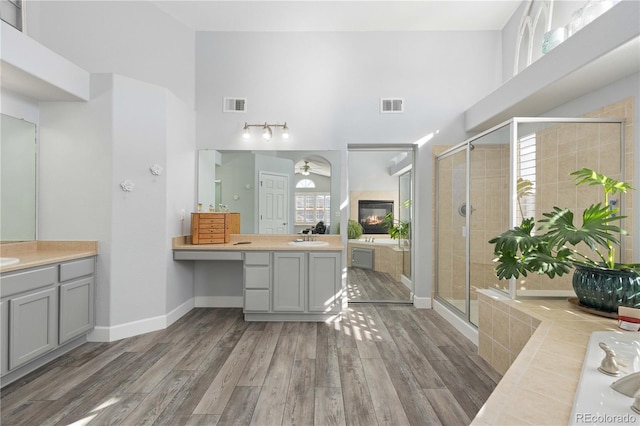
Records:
x=234, y=105
x=391, y=105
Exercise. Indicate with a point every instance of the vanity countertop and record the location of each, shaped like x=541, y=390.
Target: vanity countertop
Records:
x=38, y=253
x=256, y=242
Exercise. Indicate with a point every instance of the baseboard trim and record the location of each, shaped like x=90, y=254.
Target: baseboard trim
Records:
x=468, y=330
x=179, y=312
x=134, y=328
x=219, y=302
x=422, y=302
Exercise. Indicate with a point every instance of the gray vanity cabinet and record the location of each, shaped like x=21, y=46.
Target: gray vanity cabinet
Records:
x=42, y=309
x=33, y=326
x=257, y=281
x=76, y=308
x=4, y=337
x=76, y=299
x=289, y=281
x=324, y=281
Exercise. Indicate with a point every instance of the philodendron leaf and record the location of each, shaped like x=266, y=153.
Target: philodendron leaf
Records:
x=509, y=266
x=595, y=230
x=611, y=186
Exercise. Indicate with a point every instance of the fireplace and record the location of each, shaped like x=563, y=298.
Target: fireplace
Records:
x=371, y=213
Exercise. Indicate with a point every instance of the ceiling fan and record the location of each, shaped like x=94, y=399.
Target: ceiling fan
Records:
x=305, y=169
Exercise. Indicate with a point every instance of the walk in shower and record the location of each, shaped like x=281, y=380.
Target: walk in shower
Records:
x=517, y=169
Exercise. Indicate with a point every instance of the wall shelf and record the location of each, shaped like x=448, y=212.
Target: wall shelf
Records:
x=605, y=51
x=30, y=69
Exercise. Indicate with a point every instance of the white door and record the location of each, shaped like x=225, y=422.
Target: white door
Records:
x=274, y=204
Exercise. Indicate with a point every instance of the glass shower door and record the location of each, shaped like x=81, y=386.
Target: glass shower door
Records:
x=489, y=171
x=451, y=229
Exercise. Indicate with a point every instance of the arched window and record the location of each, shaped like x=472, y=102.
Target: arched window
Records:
x=306, y=183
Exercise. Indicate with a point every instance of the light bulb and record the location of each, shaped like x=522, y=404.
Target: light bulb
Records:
x=266, y=132
x=245, y=131
x=285, y=131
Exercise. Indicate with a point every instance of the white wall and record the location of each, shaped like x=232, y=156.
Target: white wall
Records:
x=75, y=179
x=131, y=38
x=180, y=176
x=138, y=237
x=19, y=106
x=369, y=171
x=87, y=150
x=327, y=86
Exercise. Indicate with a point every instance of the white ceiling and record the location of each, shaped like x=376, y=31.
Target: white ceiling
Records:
x=336, y=15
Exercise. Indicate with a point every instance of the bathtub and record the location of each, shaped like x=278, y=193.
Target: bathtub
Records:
x=387, y=241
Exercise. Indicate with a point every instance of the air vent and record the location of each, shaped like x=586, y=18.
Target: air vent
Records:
x=391, y=105
x=234, y=105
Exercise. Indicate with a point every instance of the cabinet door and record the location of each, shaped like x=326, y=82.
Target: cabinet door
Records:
x=324, y=282
x=288, y=281
x=4, y=337
x=33, y=326
x=76, y=308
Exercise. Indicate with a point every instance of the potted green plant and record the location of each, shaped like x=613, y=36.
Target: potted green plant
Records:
x=354, y=229
x=397, y=229
x=599, y=282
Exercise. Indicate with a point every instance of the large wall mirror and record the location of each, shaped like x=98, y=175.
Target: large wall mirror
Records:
x=17, y=179
x=275, y=192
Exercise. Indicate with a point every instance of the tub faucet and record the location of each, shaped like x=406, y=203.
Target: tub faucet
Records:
x=628, y=385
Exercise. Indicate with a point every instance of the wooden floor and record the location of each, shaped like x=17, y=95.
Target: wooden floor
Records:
x=364, y=285
x=382, y=364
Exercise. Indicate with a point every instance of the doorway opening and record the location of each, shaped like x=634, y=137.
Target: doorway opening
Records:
x=380, y=194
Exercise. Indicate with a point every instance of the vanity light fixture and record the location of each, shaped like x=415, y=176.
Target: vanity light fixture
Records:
x=267, y=132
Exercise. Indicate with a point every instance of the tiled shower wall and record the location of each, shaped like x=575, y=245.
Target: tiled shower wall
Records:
x=565, y=148
x=561, y=150
x=489, y=196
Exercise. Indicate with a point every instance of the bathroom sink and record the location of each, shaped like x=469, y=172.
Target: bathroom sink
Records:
x=308, y=243
x=595, y=400
x=6, y=261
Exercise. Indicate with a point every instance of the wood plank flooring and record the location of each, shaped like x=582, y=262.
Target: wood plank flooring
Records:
x=380, y=365
x=365, y=285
